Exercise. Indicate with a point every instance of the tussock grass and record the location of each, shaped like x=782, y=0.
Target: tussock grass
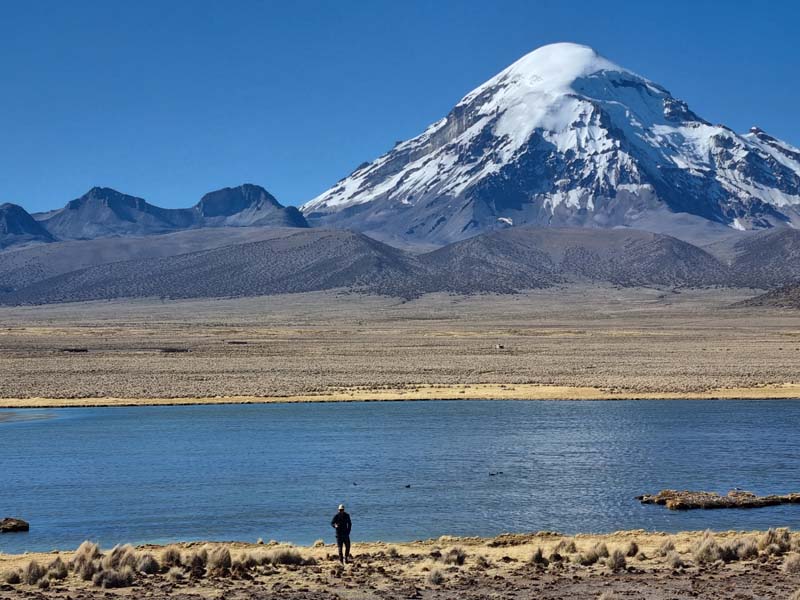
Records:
x=219, y=561
x=616, y=560
x=392, y=552
x=706, y=550
x=12, y=577
x=113, y=578
x=587, y=558
x=539, y=559
x=44, y=584
x=57, y=569
x=666, y=547
x=120, y=556
x=746, y=548
x=32, y=573
x=601, y=549
x=175, y=574
x=675, y=561
x=85, y=554
x=791, y=564
x=775, y=541
x=455, y=556
x=482, y=562
x=632, y=549
x=286, y=556
x=147, y=564
x=435, y=577
x=171, y=557
x=566, y=547
x=196, y=562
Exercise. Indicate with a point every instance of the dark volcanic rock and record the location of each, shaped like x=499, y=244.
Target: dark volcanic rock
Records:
x=10, y=525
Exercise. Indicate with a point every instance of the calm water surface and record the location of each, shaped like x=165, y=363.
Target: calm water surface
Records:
x=157, y=474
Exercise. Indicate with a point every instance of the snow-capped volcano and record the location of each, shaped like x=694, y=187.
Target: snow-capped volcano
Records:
x=564, y=137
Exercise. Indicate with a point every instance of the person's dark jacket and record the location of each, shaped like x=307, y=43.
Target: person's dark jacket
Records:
x=341, y=521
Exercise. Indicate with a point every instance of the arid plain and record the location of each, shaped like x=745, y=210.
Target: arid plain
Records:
x=560, y=343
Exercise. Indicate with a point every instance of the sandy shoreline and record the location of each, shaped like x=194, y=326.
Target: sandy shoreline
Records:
x=787, y=391
x=542, y=565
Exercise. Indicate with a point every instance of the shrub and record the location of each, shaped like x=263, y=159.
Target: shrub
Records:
x=746, y=548
x=86, y=553
x=435, y=577
x=57, y=569
x=32, y=573
x=675, y=561
x=566, y=547
x=175, y=574
x=87, y=570
x=392, y=552
x=455, y=556
x=706, y=550
x=555, y=557
x=319, y=543
x=219, y=561
x=44, y=583
x=775, y=541
x=791, y=563
x=120, y=556
x=616, y=560
x=632, y=549
x=587, y=558
x=539, y=559
x=147, y=564
x=285, y=556
x=666, y=547
x=482, y=562
x=114, y=578
x=170, y=557
x=728, y=552
x=12, y=577
x=601, y=549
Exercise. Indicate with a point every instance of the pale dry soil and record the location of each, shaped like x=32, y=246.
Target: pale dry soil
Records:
x=498, y=568
x=574, y=342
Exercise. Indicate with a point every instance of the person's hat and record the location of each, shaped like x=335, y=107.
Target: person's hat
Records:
x=341, y=507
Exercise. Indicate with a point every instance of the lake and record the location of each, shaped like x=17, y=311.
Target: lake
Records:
x=405, y=470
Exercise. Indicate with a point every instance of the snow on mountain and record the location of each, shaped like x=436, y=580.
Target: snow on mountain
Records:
x=564, y=137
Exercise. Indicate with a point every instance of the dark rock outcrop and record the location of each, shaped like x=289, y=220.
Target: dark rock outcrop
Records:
x=11, y=525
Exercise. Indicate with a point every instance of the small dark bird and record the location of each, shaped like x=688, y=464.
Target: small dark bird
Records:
x=409, y=485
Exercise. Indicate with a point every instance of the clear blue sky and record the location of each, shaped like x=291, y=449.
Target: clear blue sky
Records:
x=170, y=99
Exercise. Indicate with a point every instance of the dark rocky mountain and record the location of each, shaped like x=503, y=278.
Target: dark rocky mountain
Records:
x=530, y=257
x=17, y=227
x=24, y=266
x=301, y=260
x=566, y=138
x=246, y=206
x=784, y=297
x=104, y=212
x=762, y=259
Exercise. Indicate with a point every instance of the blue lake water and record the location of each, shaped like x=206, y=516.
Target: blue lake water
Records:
x=158, y=474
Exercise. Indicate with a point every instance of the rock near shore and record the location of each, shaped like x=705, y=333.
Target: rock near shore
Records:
x=688, y=500
x=10, y=525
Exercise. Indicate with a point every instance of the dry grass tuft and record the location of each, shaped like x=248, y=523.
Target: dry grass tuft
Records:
x=286, y=556
x=175, y=575
x=57, y=569
x=566, y=547
x=119, y=557
x=171, y=557
x=114, y=578
x=219, y=561
x=666, y=547
x=435, y=577
x=85, y=554
x=791, y=564
x=455, y=556
x=147, y=564
x=392, y=552
x=706, y=550
x=675, y=561
x=616, y=560
x=12, y=577
x=775, y=541
x=632, y=549
x=601, y=550
x=32, y=573
x=539, y=559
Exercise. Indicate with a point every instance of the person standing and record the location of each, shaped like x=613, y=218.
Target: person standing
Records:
x=342, y=524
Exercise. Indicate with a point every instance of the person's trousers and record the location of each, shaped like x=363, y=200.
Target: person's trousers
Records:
x=344, y=541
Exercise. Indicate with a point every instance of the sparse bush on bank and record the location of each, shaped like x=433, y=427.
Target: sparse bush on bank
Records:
x=455, y=556
x=632, y=549
x=170, y=557
x=566, y=547
x=147, y=564
x=666, y=547
x=435, y=577
x=12, y=577
x=539, y=559
x=32, y=573
x=706, y=550
x=775, y=541
x=791, y=564
x=175, y=574
x=616, y=560
x=219, y=561
x=113, y=578
x=675, y=561
x=57, y=569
